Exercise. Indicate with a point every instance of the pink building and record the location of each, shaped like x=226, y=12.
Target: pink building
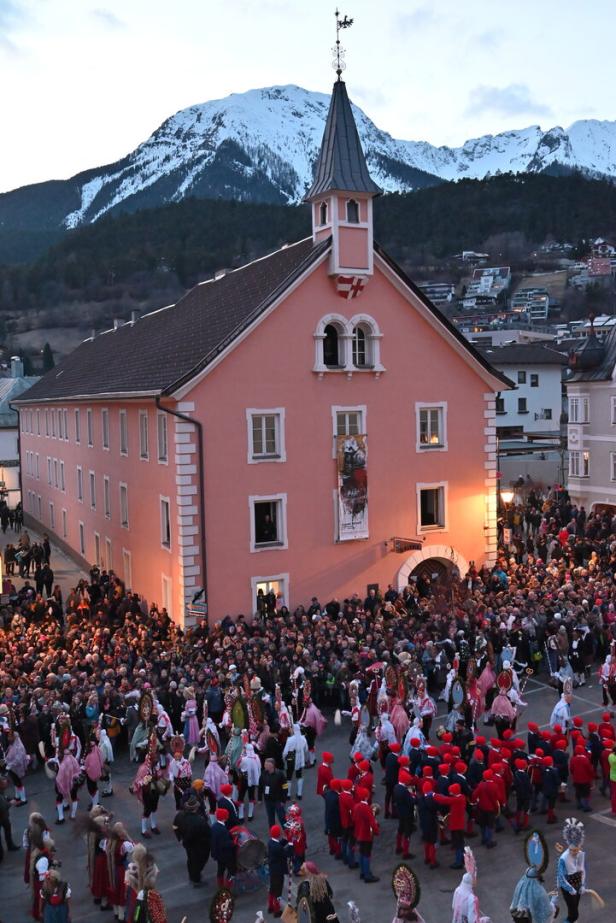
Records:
x=277, y=427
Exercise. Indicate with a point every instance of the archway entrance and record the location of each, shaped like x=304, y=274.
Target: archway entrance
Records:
x=436, y=560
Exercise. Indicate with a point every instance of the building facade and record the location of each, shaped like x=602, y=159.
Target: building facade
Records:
x=309, y=423
x=591, y=429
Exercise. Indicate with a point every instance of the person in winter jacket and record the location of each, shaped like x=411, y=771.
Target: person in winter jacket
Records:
x=550, y=786
x=333, y=827
x=582, y=775
x=456, y=820
x=404, y=804
x=427, y=810
x=366, y=828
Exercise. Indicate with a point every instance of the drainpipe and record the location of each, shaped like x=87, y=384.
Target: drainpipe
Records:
x=201, y=472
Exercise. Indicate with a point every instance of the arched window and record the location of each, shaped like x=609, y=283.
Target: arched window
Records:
x=323, y=213
x=352, y=209
x=362, y=343
x=331, y=346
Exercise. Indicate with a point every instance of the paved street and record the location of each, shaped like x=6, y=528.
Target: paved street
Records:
x=498, y=870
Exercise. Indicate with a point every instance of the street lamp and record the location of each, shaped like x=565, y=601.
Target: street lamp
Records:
x=507, y=496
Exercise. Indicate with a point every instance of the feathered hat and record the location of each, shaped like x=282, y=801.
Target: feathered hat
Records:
x=573, y=832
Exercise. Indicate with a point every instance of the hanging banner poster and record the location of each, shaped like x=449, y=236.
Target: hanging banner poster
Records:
x=351, y=457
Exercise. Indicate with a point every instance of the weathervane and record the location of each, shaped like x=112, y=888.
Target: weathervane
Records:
x=338, y=63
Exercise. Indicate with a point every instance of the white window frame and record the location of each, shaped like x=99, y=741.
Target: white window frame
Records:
x=279, y=414
x=162, y=502
x=123, y=418
x=97, y=548
x=127, y=568
x=166, y=589
x=124, y=519
x=49, y=469
x=436, y=485
x=441, y=407
x=60, y=425
x=62, y=478
x=56, y=479
x=283, y=536
x=579, y=463
x=77, y=426
x=582, y=414
x=64, y=522
x=161, y=416
x=144, y=451
x=92, y=488
x=361, y=409
x=39, y=504
x=38, y=422
x=37, y=460
x=90, y=426
x=82, y=539
x=613, y=410
x=52, y=516
x=612, y=466
x=108, y=554
x=106, y=496
x=47, y=422
x=105, y=437
x=65, y=418
x=279, y=578
x=80, y=483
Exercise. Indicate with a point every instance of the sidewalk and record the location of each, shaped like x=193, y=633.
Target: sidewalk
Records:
x=66, y=572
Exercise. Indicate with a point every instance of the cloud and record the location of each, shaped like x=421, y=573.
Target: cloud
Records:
x=11, y=17
x=514, y=99
x=108, y=19
x=490, y=39
x=415, y=21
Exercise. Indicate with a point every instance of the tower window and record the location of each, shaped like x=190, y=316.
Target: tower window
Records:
x=323, y=213
x=331, y=347
x=352, y=209
x=362, y=354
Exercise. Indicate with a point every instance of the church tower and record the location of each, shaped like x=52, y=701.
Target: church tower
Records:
x=342, y=192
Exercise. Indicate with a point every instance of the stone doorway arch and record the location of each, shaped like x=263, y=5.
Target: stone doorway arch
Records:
x=443, y=554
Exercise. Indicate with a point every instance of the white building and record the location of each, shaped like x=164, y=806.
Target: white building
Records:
x=10, y=389
x=591, y=430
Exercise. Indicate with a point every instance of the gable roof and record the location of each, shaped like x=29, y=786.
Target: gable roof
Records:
x=523, y=354
x=10, y=389
x=162, y=350
x=341, y=164
x=597, y=367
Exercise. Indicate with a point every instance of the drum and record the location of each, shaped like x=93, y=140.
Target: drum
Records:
x=251, y=852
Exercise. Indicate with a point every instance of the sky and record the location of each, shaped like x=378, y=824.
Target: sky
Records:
x=83, y=82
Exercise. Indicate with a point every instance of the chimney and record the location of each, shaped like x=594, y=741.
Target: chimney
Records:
x=134, y=317
x=220, y=274
x=93, y=335
x=17, y=367
x=117, y=323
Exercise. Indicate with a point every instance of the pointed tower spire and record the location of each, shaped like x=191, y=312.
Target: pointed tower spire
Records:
x=341, y=165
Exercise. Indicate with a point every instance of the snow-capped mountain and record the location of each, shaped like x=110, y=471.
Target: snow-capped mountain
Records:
x=261, y=146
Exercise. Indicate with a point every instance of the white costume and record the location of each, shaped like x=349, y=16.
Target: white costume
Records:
x=561, y=714
x=296, y=748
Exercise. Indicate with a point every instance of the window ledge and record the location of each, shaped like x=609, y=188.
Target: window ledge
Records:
x=437, y=528
x=501, y=413
x=521, y=412
x=260, y=545
x=435, y=447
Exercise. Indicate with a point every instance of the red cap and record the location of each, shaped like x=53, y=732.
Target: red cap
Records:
x=226, y=789
x=347, y=785
x=592, y=727
x=606, y=716
x=222, y=814
x=488, y=775
x=395, y=747
x=558, y=729
x=427, y=787
x=507, y=734
x=478, y=755
x=578, y=722
x=579, y=750
x=431, y=751
x=328, y=757
x=480, y=739
x=461, y=767
x=547, y=761
x=427, y=771
x=447, y=737
x=405, y=778
x=520, y=764
x=561, y=744
x=533, y=726
x=403, y=760
x=456, y=750
x=364, y=765
x=518, y=743
x=276, y=831
x=443, y=768
x=454, y=789
x=358, y=757
x=539, y=751
x=415, y=741
x=545, y=735
x=362, y=793
x=449, y=758
x=336, y=785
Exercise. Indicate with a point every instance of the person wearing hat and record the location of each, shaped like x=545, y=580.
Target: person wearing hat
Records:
x=456, y=820
x=485, y=798
x=279, y=852
x=365, y=827
x=550, y=787
x=582, y=776
x=392, y=767
x=316, y=888
x=223, y=850
x=404, y=807
x=346, y=803
x=523, y=791
x=427, y=811
x=333, y=826
x=324, y=772
x=226, y=801
x=193, y=832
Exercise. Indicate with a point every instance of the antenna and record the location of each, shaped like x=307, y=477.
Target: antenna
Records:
x=338, y=51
